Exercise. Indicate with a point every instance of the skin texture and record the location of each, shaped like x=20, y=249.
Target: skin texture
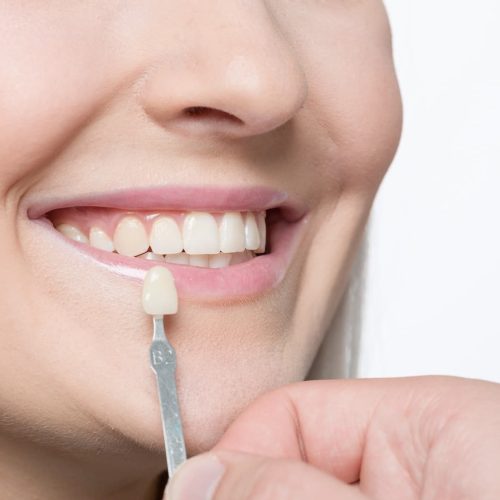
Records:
x=393, y=439
x=93, y=97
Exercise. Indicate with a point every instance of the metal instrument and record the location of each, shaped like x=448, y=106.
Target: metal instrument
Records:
x=163, y=362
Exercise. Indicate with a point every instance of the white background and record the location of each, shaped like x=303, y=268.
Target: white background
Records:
x=430, y=294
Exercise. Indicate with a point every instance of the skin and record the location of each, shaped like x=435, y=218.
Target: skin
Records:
x=93, y=97
x=393, y=439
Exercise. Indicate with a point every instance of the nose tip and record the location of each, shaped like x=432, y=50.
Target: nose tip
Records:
x=233, y=88
x=264, y=94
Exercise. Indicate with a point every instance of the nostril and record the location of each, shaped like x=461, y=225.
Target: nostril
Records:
x=210, y=113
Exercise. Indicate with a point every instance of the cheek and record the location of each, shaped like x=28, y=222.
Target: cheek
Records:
x=354, y=97
x=55, y=74
x=364, y=118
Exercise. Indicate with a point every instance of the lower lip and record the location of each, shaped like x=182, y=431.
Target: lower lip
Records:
x=244, y=280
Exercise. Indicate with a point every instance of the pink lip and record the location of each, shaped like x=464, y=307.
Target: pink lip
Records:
x=243, y=280
x=181, y=198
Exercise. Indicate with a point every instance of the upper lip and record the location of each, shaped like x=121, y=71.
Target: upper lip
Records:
x=179, y=197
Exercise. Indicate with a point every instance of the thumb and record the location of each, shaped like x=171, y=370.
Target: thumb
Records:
x=227, y=475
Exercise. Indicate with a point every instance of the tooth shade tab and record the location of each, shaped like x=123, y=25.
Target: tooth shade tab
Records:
x=159, y=295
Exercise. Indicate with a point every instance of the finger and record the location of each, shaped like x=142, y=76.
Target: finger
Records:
x=230, y=475
x=326, y=423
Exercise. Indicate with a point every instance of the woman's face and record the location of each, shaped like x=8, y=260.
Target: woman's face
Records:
x=139, y=112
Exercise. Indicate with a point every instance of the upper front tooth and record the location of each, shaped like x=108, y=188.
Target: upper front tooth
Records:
x=232, y=233
x=130, y=237
x=72, y=232
x=99, y=239
x=252, y=239
x=200, y=234
x=165, y=236
x=261, y=224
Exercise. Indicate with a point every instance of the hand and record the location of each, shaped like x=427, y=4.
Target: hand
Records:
x=407, y=438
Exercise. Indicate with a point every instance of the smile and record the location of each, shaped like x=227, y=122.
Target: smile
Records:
x=193, y=238
x=218, y=242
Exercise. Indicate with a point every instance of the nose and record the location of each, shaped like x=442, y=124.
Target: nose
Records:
x=226, y=69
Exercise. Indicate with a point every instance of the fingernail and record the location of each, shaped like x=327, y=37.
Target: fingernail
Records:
x=196, y=479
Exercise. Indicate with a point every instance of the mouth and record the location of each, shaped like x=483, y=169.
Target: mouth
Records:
x=219, y=243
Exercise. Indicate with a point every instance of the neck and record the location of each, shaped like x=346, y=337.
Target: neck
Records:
x=31, y=470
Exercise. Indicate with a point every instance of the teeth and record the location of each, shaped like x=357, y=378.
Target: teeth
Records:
x=72, y=233
x=198, y=260
x=99, y=239
x=165, y=237
x=159, y=295
x=219, y=260
x=235, y=239
x=232, y=233
x=152, y=256
x=252, y=238
x=200, y=234
x=177, y=258
x=130, y=237
x=239, y=258
x=261, y=224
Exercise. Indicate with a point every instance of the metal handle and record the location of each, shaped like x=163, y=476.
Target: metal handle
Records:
x=163, y=362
